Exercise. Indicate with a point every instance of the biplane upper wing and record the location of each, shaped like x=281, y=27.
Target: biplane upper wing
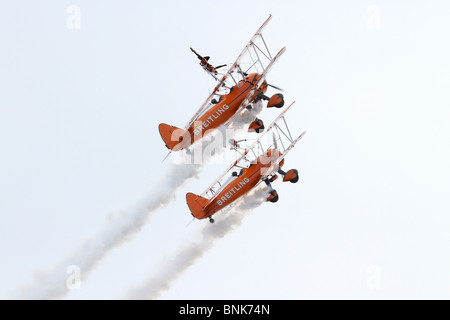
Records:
x=279, y=125
x=228, y=74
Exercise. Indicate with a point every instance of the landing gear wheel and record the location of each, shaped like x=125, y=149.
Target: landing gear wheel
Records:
x=256, y=126
x=211, y=220
x=291, y=176
x=273, y=196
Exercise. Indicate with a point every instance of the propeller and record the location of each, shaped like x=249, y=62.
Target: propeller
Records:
x=275, y=87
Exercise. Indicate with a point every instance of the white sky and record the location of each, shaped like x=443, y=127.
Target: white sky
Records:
x=79, y=111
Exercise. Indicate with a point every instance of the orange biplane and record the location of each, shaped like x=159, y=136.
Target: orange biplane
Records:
x=220, y=196
x=236, y=90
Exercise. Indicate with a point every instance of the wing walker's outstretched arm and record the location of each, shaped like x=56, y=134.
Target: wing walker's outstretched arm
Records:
x=199, y=56
x=207, y=66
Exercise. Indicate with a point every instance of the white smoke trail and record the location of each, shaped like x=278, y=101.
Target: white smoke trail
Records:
x=246, y=116
x=119, y=228
x=187, y=256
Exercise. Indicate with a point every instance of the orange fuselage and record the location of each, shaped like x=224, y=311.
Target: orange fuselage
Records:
x=228, y=105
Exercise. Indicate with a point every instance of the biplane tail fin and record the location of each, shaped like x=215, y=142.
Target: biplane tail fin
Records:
x=197, y=205
x=175, y=138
